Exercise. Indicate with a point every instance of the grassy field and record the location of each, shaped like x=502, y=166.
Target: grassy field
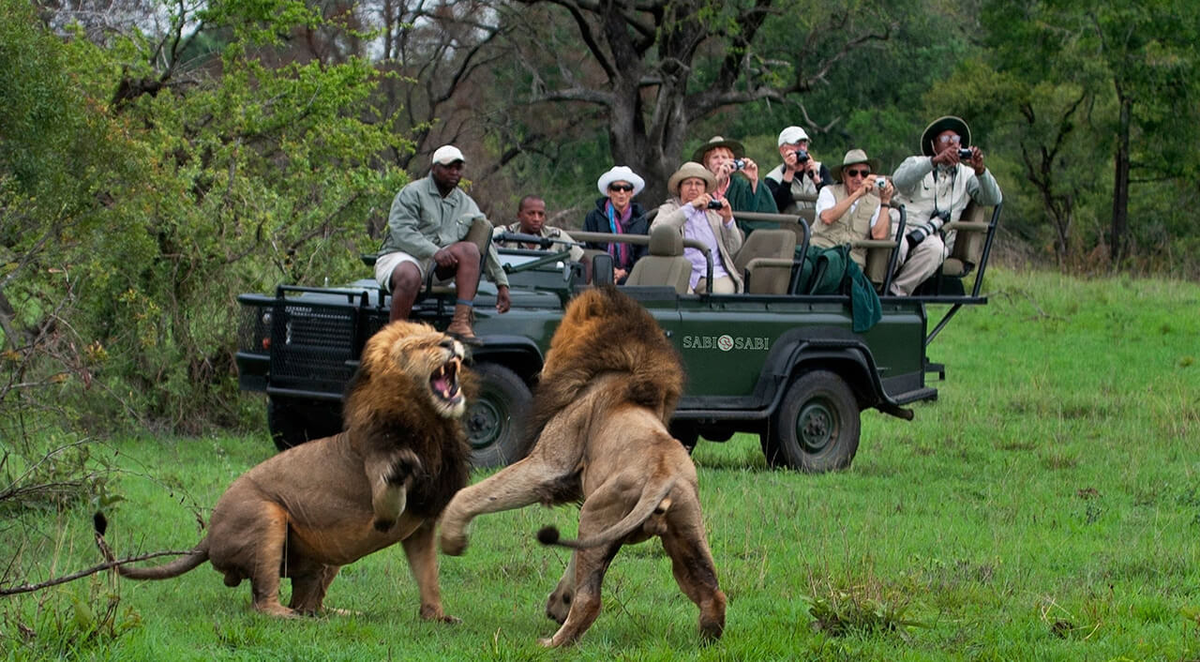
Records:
x=1046, y=507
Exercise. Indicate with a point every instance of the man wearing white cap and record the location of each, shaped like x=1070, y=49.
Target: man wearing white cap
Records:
x=799, y=174
x=426, y=225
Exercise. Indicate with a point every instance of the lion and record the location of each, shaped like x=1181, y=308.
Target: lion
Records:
x=600, y=414
x=313, y=508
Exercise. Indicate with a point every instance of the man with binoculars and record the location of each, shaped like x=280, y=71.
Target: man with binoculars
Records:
x=935, y=188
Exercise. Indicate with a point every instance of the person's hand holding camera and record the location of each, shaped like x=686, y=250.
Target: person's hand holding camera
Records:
x=976, y=161
x=701, y=201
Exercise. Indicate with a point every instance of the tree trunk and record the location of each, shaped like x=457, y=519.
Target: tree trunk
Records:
x=1120, y=214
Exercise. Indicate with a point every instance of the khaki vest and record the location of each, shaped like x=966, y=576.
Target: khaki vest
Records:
x=851, y=226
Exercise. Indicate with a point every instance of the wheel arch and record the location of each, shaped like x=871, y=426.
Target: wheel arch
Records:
x=826, y=348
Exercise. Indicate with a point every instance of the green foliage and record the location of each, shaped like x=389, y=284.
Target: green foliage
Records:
x=145, y=215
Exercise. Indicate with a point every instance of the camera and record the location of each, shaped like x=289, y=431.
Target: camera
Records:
x=964, y=153
x=739, y=164
x=881, y=183
x=801, y=155
x=715, y=204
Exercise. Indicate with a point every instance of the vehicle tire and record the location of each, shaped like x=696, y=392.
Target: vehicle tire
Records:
x=816, y=427
x=495, y=419
x=293, y=421
x=687, y=436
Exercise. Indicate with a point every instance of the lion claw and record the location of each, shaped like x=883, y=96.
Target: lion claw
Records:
x=403, y=468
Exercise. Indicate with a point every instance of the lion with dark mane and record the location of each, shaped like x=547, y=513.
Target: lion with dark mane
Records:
x=607, y=392
x=313, y=508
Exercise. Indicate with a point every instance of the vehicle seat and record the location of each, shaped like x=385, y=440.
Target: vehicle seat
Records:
x=970, y=233
x=665, y=264
x=765, y=261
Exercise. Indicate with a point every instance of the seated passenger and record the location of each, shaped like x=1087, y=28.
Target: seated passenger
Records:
x=426, y=225
x=723, y=158
x=531, y=219
x=799, y=174
x=935, y=189
x=850, y=209
x=616, y=213
x=689, y=212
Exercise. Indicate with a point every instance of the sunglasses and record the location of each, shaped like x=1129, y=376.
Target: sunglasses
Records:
x=621, y=187
x=857, y=173
x=950, y=139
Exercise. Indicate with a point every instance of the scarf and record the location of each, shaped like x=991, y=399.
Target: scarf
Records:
x=619, y=251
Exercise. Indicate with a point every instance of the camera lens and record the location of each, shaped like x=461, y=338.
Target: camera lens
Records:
x=738, y=164
x=964, y=153
x=714, y=204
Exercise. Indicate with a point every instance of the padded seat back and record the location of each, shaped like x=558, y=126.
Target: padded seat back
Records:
x=665, y=265
x=970, y=234
x=765, y=261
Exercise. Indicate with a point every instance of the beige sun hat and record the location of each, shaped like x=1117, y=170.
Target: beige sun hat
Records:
x=853, y=157
x=687, y=171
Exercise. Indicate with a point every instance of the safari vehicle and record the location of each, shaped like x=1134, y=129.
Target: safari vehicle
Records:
x=775, y=361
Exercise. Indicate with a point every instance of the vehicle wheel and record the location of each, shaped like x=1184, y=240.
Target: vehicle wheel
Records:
x=495, y=419
x=816, y=427
x=687, y=435
x=293, y=422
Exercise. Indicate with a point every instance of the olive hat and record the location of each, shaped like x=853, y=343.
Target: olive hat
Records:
x=947, y=123
x=734, y=146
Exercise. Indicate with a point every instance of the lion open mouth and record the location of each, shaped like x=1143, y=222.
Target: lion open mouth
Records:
x=444, y=383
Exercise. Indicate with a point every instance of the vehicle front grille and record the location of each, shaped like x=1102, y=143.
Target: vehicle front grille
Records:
x=311, y=345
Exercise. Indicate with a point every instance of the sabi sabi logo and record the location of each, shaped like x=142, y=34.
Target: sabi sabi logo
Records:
x=726, y=342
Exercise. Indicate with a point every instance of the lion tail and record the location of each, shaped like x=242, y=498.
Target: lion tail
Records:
x=652, y=501
x=189, y=561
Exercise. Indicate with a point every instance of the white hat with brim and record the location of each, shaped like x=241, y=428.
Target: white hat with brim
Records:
x=947, y=123
x=447, y=154
x=853, y=157
x=792, y=135
x=620, y=174
x=717, y=141
x=687, y=171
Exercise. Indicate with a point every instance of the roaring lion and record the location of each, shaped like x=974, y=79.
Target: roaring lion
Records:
x=600, y=413
x=313, y=508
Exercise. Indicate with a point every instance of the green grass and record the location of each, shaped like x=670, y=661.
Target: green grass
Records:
x=1046, y=507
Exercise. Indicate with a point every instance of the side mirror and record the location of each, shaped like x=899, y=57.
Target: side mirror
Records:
x=602, y=270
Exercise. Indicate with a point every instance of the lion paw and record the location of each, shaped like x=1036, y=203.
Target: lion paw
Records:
x=403, y=467
x=453, y=545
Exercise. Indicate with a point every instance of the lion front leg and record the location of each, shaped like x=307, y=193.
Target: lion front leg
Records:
x=422, y=561
x=389, y=476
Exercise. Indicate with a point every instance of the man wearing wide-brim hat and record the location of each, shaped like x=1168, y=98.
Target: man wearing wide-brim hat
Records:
x=737, y=176
x=689, y=212
x=935, y=188
x=854, y=208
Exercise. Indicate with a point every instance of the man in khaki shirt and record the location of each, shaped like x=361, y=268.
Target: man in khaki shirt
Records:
x=531, y=220
x=426, y=225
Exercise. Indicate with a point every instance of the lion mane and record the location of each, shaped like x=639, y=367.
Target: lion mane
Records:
x=602, y=333
x=320, y=505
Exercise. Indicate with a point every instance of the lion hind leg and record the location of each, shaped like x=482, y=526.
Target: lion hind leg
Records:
x=268, y=560
x=590, y=568
x=309, y=588
x=694, y=571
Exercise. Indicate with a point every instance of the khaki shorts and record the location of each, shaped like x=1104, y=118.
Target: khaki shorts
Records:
x=385, y=264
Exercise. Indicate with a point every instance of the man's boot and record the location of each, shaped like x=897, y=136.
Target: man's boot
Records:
x=460, y=325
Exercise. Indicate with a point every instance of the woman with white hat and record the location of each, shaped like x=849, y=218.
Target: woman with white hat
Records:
x=698, y=215
x=616, y=213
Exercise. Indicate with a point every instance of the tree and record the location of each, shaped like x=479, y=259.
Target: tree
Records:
x=652, y=68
